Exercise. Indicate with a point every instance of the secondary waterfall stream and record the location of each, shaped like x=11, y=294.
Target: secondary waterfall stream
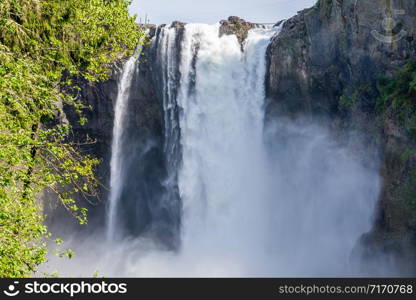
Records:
x=257, y=198
x=116, y=164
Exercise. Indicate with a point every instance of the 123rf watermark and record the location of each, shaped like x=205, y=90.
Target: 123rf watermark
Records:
x=70, y=289
x=390, y=25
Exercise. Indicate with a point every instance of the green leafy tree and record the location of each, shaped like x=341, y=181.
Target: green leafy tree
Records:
x=44, y=44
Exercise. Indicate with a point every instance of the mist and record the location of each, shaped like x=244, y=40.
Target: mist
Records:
x=317, y=198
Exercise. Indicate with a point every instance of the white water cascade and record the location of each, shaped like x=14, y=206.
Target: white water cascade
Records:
x=251, y=208
x=221, y=180
x=116, y=163
x=276, y=198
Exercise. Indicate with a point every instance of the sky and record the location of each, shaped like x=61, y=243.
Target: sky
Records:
x=212, y=11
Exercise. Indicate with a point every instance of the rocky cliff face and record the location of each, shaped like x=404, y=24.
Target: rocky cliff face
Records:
x=237, y=26
x=332, y=49
x=143, y=140
x=326, y=62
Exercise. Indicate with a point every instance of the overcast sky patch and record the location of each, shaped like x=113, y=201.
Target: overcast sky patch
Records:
x=212, y=11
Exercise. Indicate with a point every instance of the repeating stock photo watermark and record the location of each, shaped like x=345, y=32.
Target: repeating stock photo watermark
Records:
x=389, y=25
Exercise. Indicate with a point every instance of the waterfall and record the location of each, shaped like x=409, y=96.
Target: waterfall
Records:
x=168, y=54
x=222, y=98
x=116, y=163
x=233, y=194
x=285, y=200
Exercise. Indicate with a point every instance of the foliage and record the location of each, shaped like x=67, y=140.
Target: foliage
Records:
x=398, y=99
x=44, y=43
x=398, y=95
x=347, y=101
x=361, y=95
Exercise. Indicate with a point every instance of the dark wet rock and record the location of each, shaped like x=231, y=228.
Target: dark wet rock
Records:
x=237, y=26
x=151, y=29
x=178, y=24
x=279, y=23
x=141, y=211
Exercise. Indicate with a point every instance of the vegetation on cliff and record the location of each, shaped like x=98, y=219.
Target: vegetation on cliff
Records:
x=44, y=43
x=398, y=95
x=397, y=102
